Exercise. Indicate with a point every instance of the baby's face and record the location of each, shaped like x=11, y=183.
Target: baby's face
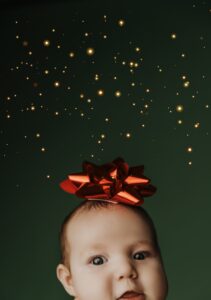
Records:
x=111, y=253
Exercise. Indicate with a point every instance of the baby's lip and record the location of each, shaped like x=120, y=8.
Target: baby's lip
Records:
x=132, y=295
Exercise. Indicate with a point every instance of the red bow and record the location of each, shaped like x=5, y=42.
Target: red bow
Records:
x=114, y=182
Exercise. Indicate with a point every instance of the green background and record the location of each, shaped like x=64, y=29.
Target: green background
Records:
x=32, y=204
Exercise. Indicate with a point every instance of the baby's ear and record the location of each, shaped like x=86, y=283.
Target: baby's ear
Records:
x=64, y=276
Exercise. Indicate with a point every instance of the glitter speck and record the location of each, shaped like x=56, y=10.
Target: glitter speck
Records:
x=128, y=135
x=189, y=149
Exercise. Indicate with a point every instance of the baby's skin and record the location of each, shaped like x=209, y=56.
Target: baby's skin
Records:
x=112, y=256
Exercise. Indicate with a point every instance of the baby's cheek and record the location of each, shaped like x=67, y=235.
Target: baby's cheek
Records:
x=154, y=280
x=87, y=284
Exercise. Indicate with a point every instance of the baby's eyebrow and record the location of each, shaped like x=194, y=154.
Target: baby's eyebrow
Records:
x=99, y=246
x=145, y=242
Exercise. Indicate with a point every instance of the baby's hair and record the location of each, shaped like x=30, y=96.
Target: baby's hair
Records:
x=88, y=205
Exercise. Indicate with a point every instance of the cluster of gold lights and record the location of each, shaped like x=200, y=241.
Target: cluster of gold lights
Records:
x=117, y=93
x=186, y=83
x=189, y=150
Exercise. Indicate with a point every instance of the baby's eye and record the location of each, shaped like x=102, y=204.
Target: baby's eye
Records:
x=140, y=255
x=97, y=260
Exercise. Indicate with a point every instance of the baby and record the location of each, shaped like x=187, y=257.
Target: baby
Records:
x=109, y=251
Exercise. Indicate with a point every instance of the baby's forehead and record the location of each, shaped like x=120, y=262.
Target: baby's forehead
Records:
x=94, y=214
x=108, y=220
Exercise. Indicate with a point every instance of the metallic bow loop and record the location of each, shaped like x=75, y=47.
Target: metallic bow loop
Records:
x=114, y=181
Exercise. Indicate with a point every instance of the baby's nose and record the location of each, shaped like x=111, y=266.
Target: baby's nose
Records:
x=126, y=270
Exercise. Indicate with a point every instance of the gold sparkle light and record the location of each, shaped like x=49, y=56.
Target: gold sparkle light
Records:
x=186, y=84
x=121, y=22
x=173, y=36
x=46, y=43
x=179, y=108
x=90, y=51
x=100, y=92
x=118, y=94
x=57, y=84
x=25, y=43
x=71, y=54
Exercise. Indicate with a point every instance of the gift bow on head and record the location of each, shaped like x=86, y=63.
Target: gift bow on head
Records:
x=115, y=182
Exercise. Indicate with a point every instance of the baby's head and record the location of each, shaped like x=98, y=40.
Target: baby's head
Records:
x=108, y=250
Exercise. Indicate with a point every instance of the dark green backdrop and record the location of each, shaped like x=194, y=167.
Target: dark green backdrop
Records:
x=47, y=130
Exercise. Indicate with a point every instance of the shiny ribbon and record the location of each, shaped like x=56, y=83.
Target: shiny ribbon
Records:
x=112, y=182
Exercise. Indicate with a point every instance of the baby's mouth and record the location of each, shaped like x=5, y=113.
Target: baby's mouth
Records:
x=131, y=295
